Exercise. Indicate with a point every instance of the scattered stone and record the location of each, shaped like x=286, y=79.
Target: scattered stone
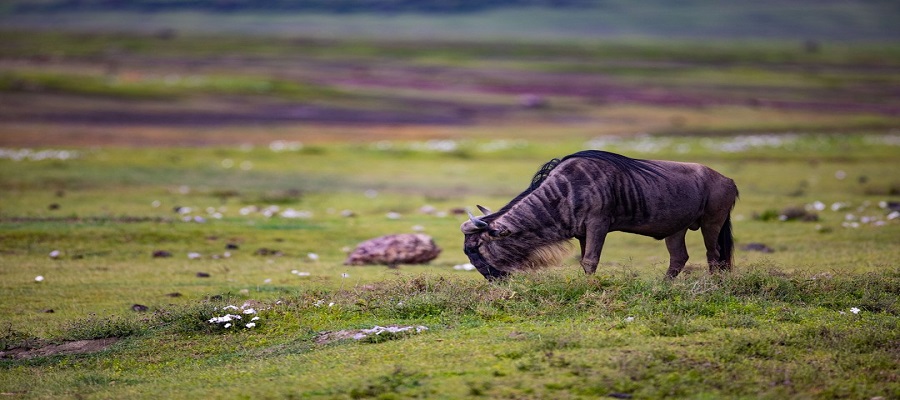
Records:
x=268, y=252
x=891, y=205
x=797, y=214
x=458, y=211
x=760, y=247
x=374, y=334
x=231, y=246
x=49, y=311
x=139, y=308
x=174, y=294
x=822, y=275
x=202, y=275
x=393, y=250
x=161, y=254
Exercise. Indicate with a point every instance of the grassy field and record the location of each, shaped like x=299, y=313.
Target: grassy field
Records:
x=257, y=169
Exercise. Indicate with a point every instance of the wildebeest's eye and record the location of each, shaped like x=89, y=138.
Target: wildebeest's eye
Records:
x=498, y=233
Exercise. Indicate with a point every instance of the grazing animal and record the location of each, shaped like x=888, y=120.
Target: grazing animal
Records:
x=591, y=193
x=393, y=250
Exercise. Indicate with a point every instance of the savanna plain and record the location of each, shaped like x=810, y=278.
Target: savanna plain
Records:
x=156, y=187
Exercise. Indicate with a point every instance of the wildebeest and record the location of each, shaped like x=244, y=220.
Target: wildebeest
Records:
x=591, y=193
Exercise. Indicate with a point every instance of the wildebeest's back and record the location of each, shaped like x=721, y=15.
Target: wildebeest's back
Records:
x=648, y=197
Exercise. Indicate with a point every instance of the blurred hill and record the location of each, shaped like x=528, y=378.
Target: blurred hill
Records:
x=845, y=20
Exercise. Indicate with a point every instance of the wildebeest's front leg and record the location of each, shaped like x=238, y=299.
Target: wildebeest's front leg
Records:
x=591, y=247
x=678, y=254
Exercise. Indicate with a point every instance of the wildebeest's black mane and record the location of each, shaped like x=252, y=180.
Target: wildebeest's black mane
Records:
x=623, y=163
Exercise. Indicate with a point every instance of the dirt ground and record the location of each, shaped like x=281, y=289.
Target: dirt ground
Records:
x=75, y=347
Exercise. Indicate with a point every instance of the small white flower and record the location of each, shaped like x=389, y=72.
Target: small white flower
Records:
x=55, y=254
x=854, y=310
x=250, y=324
x=230, y=307
x=249, y=311
x=39, y=278
x=464, y=267
x=331, y=304
x=393, y=215
x=194, y=255
x=228, y=325
x=254, y=319
x=345, y=275
x=313, y=256
x=629, y=319
x=267, y=281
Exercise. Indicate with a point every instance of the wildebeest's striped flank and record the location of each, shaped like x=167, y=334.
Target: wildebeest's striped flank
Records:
x=591, y=193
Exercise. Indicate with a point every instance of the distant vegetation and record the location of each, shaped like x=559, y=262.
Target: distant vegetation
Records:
x=341, y=6
x=852, y=20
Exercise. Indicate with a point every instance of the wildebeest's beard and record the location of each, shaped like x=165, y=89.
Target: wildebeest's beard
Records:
x=495, y=257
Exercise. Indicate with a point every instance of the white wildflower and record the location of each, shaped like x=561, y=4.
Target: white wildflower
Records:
x=249, y=311
x=250, y=324
x=464, y=267
x=254, y=319
x=312, y=256
x=39, y=278
x=629, y=319
x=194, y=255
x=854, y=310
x=55, y=254
x=230, y=307
x=228, y=325
x=345, y=275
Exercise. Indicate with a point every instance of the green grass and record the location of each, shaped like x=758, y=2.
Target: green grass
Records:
x=779, y=326
x=556, y=334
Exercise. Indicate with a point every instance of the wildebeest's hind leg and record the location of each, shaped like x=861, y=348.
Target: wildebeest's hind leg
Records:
x=678, y=254
x=711, y=239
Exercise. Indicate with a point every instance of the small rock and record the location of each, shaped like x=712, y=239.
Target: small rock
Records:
x=161, y=254
x=174, y=294
x=202, y=275
x=53, y=206
x=139, y=308
x=231, y=246
x=760, y=247
x=49, y=311
x=392, y=250
x=268, y=252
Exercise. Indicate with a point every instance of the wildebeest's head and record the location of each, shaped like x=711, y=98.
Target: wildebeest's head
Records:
x=497, y=248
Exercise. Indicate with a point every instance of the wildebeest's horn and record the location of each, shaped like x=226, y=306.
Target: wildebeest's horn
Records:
x=484, y=210
x=477, y=221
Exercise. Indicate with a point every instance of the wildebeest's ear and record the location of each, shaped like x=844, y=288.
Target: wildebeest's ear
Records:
x=484, y=210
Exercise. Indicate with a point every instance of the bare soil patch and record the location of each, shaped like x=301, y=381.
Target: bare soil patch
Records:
x=68, y=348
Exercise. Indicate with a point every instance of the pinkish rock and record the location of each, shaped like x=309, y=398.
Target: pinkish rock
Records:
x=393, y=250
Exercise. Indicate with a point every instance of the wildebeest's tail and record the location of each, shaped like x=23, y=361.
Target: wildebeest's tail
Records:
x=726, y=246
